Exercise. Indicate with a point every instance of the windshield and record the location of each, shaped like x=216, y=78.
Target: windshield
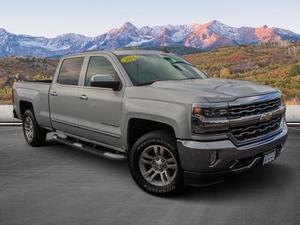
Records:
x=148, y=68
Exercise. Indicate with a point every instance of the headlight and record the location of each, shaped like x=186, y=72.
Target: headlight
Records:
x=210, y=118
x=210, y=112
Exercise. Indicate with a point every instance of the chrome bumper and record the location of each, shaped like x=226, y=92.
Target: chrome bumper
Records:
x=195, y=155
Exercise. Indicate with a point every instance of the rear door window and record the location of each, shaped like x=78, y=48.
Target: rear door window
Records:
x=70, y=71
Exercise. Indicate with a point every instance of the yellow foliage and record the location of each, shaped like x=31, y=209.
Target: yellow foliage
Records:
x=296, y=78
x=225, y=72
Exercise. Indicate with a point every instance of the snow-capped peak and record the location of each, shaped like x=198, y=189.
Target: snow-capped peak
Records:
x=128, y=25
x=2, y=31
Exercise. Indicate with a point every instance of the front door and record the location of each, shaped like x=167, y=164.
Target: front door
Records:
x=100, y=108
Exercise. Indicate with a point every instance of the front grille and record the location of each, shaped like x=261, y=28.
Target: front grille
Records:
x=254, y=109
x=248, y=132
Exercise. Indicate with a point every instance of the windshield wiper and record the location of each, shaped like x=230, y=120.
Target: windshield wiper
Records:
x=182, y=62
x=191, y=78
x=145, y=83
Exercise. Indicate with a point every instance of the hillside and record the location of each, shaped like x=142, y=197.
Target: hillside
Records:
x=177, y=49
x=272, y=65
x=23, y=68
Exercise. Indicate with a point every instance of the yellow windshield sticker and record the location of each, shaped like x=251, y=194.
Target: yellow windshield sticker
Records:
x=129, y=59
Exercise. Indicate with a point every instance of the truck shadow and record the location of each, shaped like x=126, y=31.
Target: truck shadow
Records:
x=87, y=159
x=258, y=181
x=261, y=181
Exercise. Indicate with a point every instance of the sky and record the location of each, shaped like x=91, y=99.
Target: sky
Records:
x=94, y=17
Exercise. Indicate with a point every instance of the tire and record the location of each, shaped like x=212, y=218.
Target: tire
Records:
x=33, y=133
x=155, y=155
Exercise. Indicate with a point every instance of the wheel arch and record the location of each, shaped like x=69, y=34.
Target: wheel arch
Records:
x=136, y=127
x=24, y=106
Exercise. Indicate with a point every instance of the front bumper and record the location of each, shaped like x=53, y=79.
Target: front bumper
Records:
x=195, y=157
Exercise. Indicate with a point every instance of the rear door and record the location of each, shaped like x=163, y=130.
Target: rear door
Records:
x=100, y=108
x=64, y=95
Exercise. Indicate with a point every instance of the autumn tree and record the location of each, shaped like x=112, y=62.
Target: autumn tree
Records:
x=225, y=72
x=294, y=71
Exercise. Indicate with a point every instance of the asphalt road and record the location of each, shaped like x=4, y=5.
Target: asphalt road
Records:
x=56, y=184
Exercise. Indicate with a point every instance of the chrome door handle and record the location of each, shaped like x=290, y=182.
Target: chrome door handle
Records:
x=83, y=97
x=54, y=93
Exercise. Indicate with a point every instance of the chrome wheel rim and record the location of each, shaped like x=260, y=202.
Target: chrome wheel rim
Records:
x=158, y=165
x=28, y=128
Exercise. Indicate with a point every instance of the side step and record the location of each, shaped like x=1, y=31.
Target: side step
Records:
x=94, y=149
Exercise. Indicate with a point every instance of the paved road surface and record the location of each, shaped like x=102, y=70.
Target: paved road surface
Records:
x=56, y=184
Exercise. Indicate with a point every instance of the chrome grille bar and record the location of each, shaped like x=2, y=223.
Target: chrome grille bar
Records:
x=254, y=109
x=255, y=130
x=253, y=118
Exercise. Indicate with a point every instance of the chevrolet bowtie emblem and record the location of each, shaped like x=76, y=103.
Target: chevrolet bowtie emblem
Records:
x=266, y=117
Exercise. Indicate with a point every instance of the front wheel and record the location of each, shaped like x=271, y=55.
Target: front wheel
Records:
x=155, y=165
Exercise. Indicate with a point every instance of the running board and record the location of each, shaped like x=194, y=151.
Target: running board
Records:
x=100, y=152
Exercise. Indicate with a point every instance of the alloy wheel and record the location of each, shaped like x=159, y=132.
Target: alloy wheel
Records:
x=158, y=165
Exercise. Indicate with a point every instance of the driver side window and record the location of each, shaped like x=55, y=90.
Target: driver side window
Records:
x=99, y=65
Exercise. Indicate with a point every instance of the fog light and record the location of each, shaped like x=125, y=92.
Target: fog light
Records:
x=213, y=157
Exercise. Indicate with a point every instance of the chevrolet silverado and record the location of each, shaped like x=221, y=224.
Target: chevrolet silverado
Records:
x=174, y=124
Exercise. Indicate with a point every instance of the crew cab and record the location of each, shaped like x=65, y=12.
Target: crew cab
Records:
x=174, y=124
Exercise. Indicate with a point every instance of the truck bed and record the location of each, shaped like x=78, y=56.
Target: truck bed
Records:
x=35, y=92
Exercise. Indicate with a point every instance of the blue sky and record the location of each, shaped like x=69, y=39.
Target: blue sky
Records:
x=92, y=17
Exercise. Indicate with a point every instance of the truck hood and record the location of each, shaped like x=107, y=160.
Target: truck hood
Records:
x=216, y=90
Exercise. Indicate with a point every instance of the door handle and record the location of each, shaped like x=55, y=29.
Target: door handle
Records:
x=54, y=93
x=83, y=97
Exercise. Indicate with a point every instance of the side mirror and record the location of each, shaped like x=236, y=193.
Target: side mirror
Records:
x=105, y=81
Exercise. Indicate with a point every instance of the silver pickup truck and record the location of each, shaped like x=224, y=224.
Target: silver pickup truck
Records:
x=174, y=124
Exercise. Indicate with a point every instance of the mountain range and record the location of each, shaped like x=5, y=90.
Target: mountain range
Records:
x=200, y=36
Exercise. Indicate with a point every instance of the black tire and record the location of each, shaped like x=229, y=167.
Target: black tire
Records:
x=38, y=137
x=156, y=138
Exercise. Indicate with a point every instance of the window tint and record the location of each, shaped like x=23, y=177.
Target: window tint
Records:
x=99, y=65
x=70, y=71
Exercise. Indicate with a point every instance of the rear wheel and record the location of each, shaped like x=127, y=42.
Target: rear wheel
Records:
x=155, y=165
x=33, y=133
